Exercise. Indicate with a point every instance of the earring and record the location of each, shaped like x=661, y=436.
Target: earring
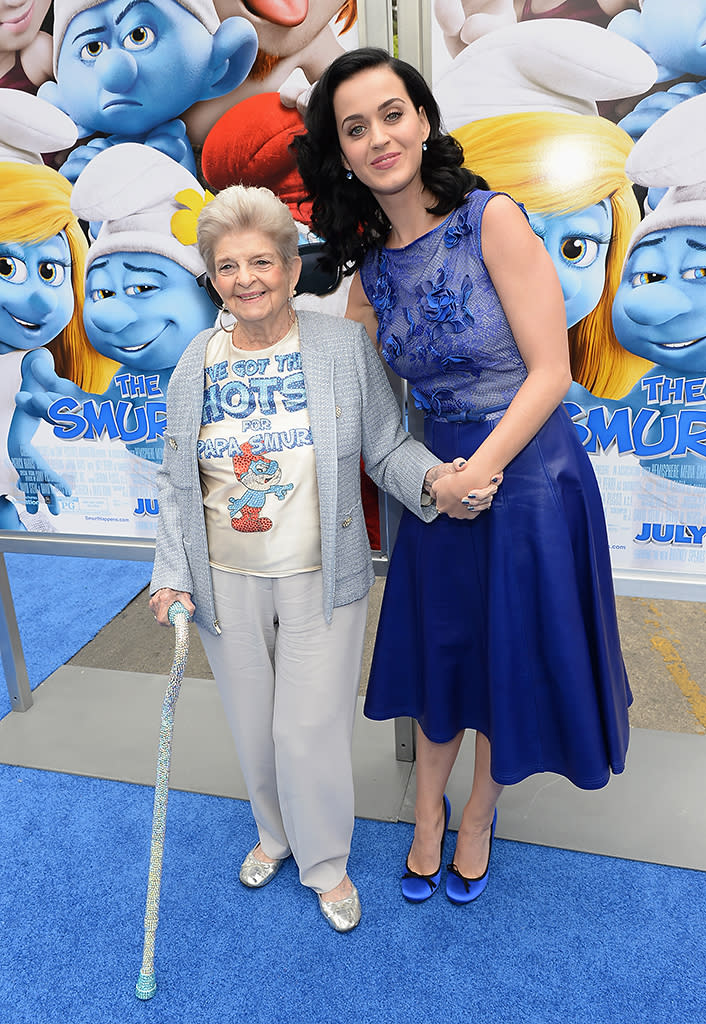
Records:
x=349, y=175
x=223, y=326
x=424, y=147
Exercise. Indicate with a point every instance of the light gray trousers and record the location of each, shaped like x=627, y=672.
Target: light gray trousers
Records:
x=289, y=683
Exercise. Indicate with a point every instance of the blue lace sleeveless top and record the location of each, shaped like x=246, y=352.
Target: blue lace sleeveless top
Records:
x=440, y=322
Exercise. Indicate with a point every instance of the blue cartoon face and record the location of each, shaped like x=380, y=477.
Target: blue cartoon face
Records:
x=36, y=293
x=659, y=310
x=125, y=67
x=673, y=34
x=578, y=244
x=143, y=309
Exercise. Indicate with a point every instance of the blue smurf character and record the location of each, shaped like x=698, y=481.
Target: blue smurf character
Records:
x=129, y=68
x=42, y=254
x=143, y=301
x=260, y=476
x=673, y=35
x=659, y=310
x=523, y=103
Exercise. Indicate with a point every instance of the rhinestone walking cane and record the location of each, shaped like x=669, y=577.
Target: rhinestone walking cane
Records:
x=179, y=618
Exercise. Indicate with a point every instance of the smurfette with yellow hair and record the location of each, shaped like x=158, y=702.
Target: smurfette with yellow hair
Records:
x=42, y=258
x=522, y=103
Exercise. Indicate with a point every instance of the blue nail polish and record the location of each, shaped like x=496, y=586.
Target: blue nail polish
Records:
x=494, y=480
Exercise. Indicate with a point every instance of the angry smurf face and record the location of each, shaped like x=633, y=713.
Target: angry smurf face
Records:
x=143, y=309
x=659, y=310
x=578, y=245
x=36, y=292
x=125, y=67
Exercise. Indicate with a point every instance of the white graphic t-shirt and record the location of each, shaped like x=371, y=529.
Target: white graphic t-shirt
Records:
x=256, y=460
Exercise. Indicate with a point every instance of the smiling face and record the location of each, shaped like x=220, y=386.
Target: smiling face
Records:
x=253, y=281
x=36, y=293
x=127, y=67
x=660, y=307
x=578, y=245
x=380, y=131
x=143, y=309
x=20, y=23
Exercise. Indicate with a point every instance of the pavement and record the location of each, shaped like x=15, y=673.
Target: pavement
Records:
x=99, y=714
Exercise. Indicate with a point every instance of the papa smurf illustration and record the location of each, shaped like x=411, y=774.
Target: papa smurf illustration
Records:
x=260, y=476
x=659, y=310
x=143, y=302
x=129, y=68
x=522, y=101
x=42, y=256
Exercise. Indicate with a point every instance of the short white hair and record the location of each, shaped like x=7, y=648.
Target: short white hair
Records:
x=247, y=208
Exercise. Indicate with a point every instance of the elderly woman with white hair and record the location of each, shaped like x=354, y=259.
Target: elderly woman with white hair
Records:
x=262, y=535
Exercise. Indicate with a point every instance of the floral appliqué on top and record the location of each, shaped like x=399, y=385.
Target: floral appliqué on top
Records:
x=440, y=323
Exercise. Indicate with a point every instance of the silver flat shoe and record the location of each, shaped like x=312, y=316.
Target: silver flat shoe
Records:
x=343, y=915
x=255, y=873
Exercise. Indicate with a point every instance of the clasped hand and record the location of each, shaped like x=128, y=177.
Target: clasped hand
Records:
x=458, y=490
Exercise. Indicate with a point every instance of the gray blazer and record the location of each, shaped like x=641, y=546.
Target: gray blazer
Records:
x=352, y=410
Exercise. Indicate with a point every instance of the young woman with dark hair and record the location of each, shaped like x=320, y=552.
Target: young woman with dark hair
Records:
x=346, y=214
x=505, y=624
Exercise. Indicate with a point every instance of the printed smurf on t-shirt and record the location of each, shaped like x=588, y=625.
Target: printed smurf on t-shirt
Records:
x=256, y=460
x=261, y=475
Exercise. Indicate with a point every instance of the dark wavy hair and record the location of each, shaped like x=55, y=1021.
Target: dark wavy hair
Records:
x=345, y=213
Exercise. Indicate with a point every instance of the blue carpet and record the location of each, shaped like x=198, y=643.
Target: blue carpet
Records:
x=61, y=603
x=557, y=938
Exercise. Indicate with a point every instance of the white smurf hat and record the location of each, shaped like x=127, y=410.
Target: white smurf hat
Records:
x=30, y=126
x=672, y=154
x=66, y=10
x=132, y=189
x=549, y=65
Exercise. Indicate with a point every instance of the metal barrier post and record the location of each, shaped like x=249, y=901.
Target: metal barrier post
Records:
x=13, y=660
x=405, y=739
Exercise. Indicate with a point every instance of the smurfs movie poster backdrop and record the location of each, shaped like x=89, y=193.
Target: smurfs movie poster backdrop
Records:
x=597, y=125
x=118, y=120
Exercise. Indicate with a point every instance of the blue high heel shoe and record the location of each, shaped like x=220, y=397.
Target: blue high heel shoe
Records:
x=460, y=889
x=417, y=888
